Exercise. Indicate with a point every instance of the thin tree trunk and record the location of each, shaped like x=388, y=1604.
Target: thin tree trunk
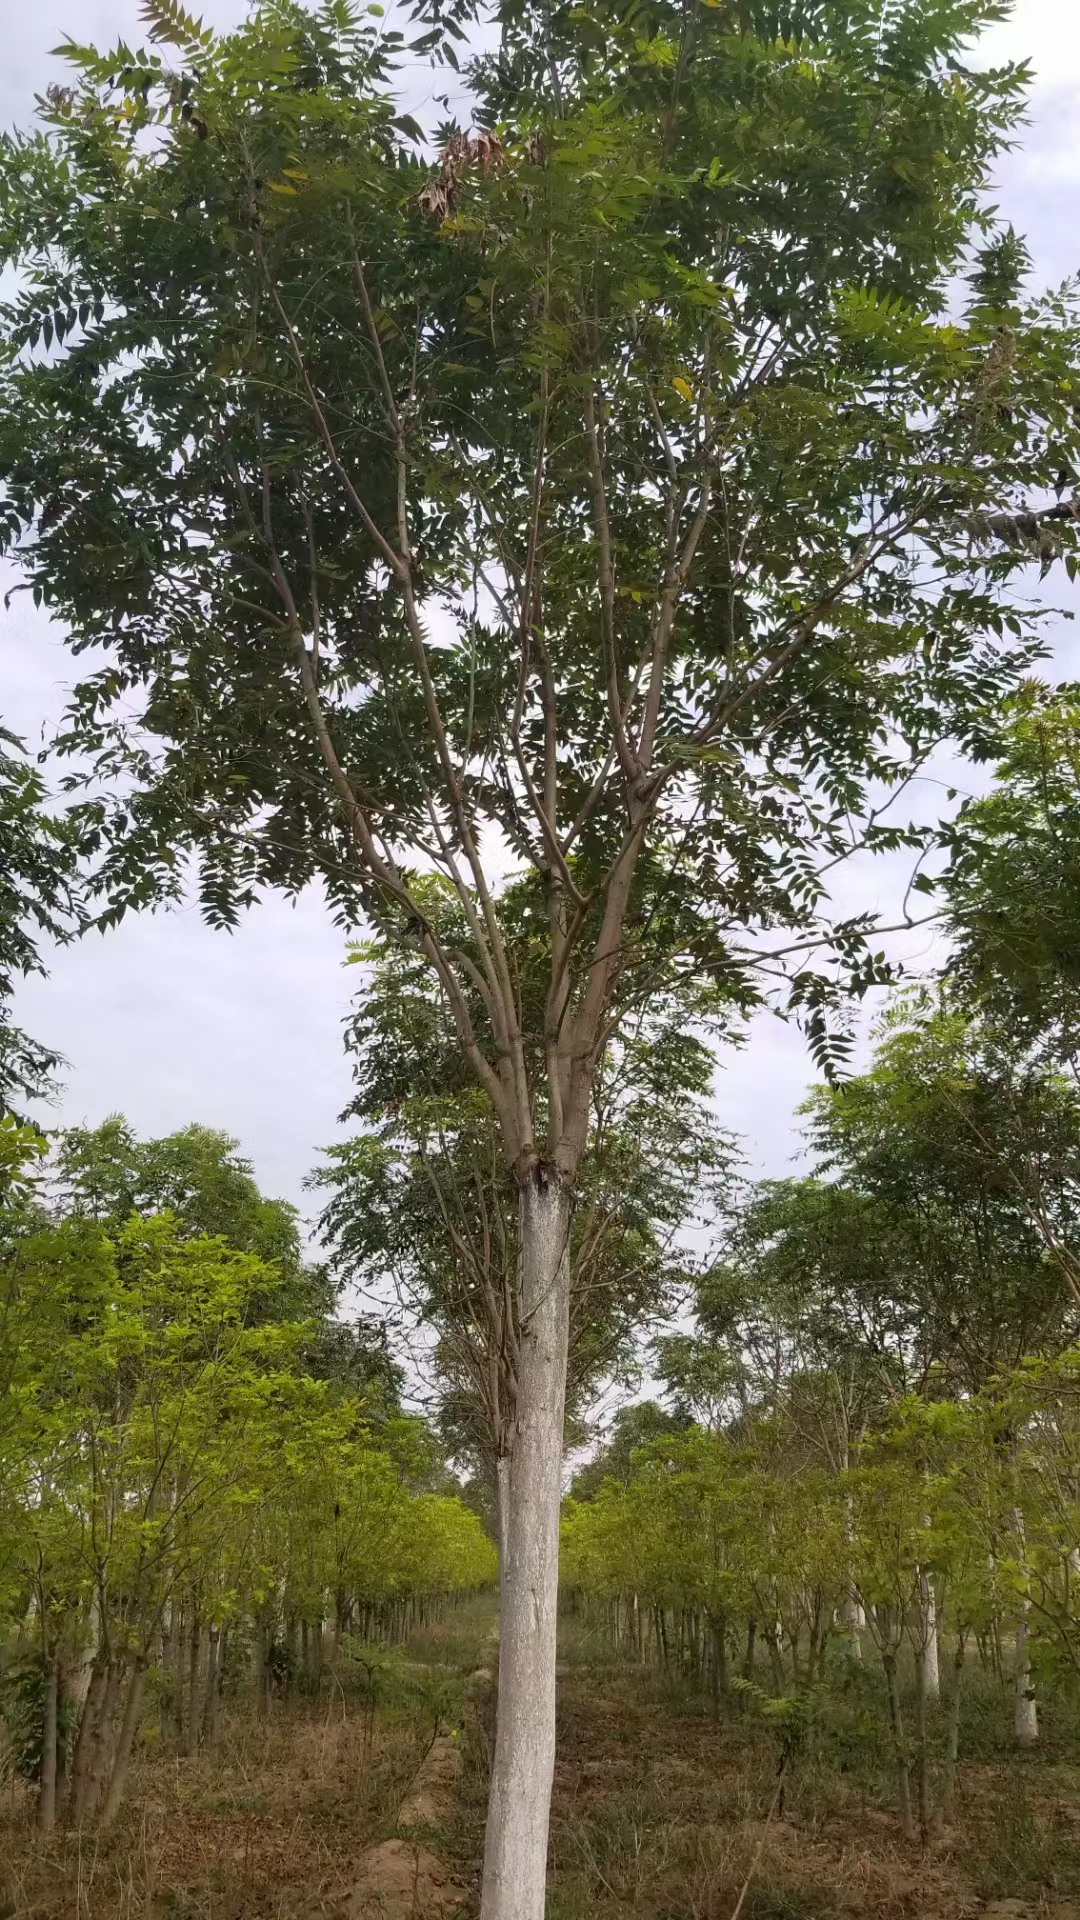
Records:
x=191, y=1742
x=952, y=1736
x=519, y=1804
x=1025, y=1711
x=166, y=1688
x=922, y=1755
x=928, y=1632
x=718, y=1660
x=208, y=1718
x=748, y=1656
x=896, y=1716
x=47, y=1795
x=851, y=1612
x=215, y=1690
x=128, y=1729
x=776, y=1659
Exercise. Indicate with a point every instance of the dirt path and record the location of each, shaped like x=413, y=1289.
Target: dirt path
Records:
x=405, y=1877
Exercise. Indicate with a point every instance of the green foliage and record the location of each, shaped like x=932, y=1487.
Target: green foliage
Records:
x=1013, y=887
x=664, y=356
x=38, y=900
x=166, y=1448
x=967, y=1150
x=106, y=1174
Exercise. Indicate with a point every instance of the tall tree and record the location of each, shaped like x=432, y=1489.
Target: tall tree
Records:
x=612, y=501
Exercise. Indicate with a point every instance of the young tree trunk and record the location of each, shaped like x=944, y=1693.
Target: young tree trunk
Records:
x=776, y=1658
x=928, y=1630
x=952, y=1736
x=1025, y=1711
x=215, y=1684
x=208, y=1717
x=748, y=1656
x=191, y=1740
x=922, y=1751
x=167, y=1687
x=515, y=1851
x=718, y=1660
x=128, y=1729
x=47, y=1795
x=896, y=1716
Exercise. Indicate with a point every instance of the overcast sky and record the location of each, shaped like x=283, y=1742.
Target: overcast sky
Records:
x=169, y=1022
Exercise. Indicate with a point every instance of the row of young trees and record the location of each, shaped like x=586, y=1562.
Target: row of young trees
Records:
x=744, y=1559
x=873, y=1436
x=613, y=497
x=202, y=1481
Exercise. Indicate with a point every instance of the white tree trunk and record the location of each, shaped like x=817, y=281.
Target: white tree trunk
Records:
x=515, y=1849
x=1025, y=1710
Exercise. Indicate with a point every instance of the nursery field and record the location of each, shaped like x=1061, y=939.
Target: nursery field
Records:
x=581, y=501
x=665, y=1805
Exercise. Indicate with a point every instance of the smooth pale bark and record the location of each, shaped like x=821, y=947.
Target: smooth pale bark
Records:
x=219, y=1639
x=515, y=1851
x=1025, y=1711
x=47, y=1796
x=931, y=1664
x=952, y=1741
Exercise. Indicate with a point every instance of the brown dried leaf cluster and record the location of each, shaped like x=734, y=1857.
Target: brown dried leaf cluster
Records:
x=476, y=152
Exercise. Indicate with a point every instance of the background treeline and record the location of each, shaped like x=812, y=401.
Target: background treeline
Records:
x=207, y=1483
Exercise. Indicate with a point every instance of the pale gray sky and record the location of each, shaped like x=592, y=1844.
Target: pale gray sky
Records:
x=170, y=1022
